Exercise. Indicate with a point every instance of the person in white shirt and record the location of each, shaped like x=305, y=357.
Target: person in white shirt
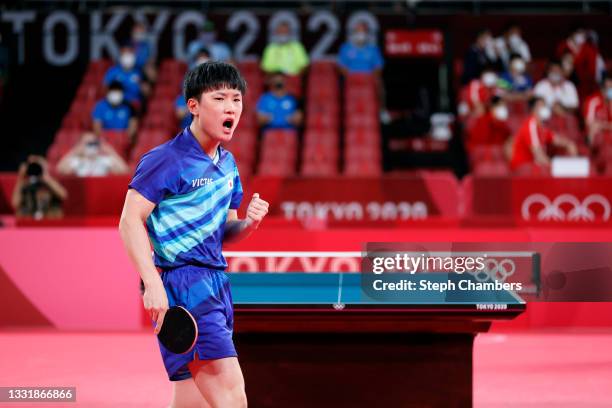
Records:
x=91, y=157
x=511, y=42
x=559, y=93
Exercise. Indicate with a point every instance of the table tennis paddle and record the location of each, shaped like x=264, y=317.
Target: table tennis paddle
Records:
x=179, y=330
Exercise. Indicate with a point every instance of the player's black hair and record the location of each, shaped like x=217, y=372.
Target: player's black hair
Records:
x=211, y=76
x=604, y=78
x=533, y=101
x=514, y=55
x=115, y=86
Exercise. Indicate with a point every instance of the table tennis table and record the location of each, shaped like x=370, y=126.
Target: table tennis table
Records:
x=321, y=339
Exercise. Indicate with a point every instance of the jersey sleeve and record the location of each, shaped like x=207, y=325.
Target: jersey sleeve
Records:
x=156, y=176
x=237, y=192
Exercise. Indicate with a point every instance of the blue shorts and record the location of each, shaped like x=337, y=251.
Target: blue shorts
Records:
x=206, y=294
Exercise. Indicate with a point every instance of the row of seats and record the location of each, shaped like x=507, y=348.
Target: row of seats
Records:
x=279, y=150
x=362, y=139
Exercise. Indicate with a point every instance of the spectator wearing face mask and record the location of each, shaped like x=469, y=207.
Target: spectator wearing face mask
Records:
x=143, y=52
x=558, y=93
x=480, y=55
x=277, y=109
x=284, y=53
x=207, y=38
x=128, y=75
x=515, y=81
x=359, y=54
x=598, y=113
x=479, y=93
x=531, y=142
x=113, y=113
x=91, y=157
x=37, y=194
x=490, y=129
x=512, y=43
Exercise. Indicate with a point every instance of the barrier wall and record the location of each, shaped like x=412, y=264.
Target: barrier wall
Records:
x=81, y=278
x=426, y=198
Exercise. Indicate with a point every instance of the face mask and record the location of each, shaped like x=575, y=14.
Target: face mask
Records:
x=127, y=60
x=281, y=38
x=518, y=65
x=544, y=113
x=500, y=112
x=359, y=37
x=555, y=77
x=115, y=97
x=489, y=79
x=609, y=94
x=579, y=39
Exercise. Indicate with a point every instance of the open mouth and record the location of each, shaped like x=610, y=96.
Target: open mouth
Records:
x=228, y=123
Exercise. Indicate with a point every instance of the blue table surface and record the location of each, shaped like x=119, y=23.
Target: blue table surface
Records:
x=345, y=288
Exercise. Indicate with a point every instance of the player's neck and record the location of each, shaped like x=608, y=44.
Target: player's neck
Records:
x=208, y=144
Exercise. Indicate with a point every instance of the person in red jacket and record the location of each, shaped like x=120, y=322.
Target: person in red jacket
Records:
x=588, y=63
x=532, y=140
x=490, y=128
x=598, y=113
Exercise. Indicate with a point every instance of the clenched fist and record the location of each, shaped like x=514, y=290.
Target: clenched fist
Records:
x=256, y=211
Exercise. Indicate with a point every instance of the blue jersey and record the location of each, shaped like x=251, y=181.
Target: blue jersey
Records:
x=364, y=59
x=130, y=80
x=192, y=194
x=112, y=117
x=280, y=108
x=180, y=103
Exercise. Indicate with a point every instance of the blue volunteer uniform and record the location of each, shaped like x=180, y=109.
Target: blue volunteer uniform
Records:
x=193, y=194
x=280, y=108
x=180, y=103
x=356, y=59
x=112, y=117
x=130, y=80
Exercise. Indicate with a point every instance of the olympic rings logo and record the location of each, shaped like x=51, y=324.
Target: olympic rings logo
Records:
x=496, y=270
x=554, y=210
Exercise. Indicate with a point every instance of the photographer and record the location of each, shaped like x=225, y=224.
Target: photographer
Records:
x=37, y=194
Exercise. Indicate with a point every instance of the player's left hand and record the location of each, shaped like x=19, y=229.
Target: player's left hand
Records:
x=256, y=211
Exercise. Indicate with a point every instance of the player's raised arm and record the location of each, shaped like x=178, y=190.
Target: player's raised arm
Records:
x=134, y=235
x=236, y=229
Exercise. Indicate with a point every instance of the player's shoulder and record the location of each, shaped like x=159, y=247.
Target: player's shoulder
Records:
x=166, y=151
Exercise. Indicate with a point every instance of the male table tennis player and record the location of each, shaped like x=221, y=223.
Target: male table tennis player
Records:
x=188, y=191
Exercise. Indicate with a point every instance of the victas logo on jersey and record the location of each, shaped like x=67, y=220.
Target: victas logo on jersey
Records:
x=201, y=182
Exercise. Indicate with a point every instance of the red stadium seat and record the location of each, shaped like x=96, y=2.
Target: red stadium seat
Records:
x=363, y=168
x=492, y=169
x=119, y=140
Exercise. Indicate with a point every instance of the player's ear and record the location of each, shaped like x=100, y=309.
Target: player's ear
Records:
x=193, y=105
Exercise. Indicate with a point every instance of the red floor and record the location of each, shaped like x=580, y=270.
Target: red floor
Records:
x=124, y=369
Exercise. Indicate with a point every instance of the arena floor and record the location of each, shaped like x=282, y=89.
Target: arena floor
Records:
x=112, y=369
